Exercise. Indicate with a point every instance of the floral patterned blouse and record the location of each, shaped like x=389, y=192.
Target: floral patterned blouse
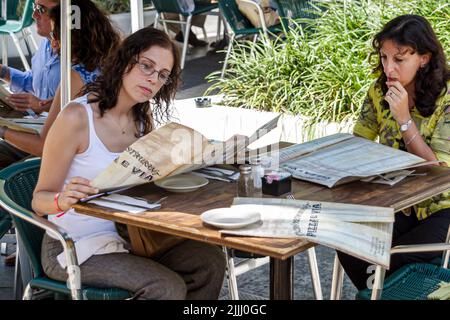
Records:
x=377, y=122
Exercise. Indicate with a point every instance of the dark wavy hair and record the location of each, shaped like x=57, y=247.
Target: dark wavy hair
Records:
x=94, y=41
x=416, y=32
x=106, y=87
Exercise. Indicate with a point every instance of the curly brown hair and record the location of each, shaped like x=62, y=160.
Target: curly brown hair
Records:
x=94, y=41
x=106, y=87
x=416, y=32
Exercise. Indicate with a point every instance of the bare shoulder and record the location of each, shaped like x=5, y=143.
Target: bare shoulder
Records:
x=73, y=116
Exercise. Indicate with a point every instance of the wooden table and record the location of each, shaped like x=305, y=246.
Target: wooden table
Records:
x=180, y=212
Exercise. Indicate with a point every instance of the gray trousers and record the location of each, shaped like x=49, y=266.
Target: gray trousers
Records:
x=191, y=270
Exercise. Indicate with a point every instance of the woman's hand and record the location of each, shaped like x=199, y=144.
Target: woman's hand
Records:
x=76, y=189
x=397, y=97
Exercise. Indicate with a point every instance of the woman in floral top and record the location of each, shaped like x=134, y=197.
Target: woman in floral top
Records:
x=408, y=108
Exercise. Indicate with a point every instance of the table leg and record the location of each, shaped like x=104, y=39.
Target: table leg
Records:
x=281, y=276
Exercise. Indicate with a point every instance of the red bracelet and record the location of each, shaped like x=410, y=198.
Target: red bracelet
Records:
x=59, y=210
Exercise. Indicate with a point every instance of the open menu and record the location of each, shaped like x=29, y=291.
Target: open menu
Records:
x=170, y=150
x=342, y=158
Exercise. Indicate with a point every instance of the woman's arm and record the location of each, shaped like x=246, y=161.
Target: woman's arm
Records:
x=415, y=144
x=68, y=136
x=34, y=143
x=398, y=100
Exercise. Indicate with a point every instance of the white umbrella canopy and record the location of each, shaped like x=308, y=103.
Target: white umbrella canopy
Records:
x=65, y=58
x=137, y=15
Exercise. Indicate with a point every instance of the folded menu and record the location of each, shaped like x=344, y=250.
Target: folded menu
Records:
x=125, y=203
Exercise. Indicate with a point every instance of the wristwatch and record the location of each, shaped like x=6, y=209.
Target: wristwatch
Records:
x=404, y=127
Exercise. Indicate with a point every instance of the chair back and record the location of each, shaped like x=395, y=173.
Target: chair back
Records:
x=17, y=183
x=233, y=15
x=11, y=9
x=411, y=282
x=296, y=9
x=170, y=6
x=27, y=16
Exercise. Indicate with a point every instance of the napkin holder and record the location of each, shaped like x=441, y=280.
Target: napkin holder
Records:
x=276, y=183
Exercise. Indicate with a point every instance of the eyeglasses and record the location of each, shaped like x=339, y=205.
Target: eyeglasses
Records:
x=39, y=8
x=148, y=69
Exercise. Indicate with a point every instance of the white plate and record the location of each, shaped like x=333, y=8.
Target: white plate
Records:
x=182, y=183
x=227, y=218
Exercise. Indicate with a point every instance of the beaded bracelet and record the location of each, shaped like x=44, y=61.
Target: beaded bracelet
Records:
x=412, y=138
x=59, y=211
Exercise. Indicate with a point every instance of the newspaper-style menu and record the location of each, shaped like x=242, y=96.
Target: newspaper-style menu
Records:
x=173, y=149
x=359, y=230
x=342, y=157
x=33, y=126
x=5, y=93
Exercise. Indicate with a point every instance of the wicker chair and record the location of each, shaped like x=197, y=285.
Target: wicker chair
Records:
x=17, y=183
x=411, y=282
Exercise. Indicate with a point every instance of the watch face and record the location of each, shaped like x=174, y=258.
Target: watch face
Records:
x=405, y=126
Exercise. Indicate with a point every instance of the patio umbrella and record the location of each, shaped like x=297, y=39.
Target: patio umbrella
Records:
x=66, y=59
x=137, y=15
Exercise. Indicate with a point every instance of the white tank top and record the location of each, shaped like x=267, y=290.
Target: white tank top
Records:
x=88, y=165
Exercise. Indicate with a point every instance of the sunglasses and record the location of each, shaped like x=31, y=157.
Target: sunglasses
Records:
x=39, y=8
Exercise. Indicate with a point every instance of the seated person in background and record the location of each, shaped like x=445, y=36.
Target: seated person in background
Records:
x=34, y=89
x=90, y=47
x=251, y=12
x=198, y=21
x=408, y=108
x=139, y=80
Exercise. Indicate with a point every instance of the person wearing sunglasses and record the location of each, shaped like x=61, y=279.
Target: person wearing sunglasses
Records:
x=34, y=89
x=90, y=46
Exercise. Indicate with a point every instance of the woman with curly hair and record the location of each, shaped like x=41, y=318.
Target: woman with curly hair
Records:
x=408, y=108
x=90, y=46
x=139, y=80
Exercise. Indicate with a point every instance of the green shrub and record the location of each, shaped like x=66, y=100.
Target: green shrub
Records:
x=114, y=6
x=322, y=74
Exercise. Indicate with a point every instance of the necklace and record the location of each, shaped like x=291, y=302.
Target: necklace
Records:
x=120, y=127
